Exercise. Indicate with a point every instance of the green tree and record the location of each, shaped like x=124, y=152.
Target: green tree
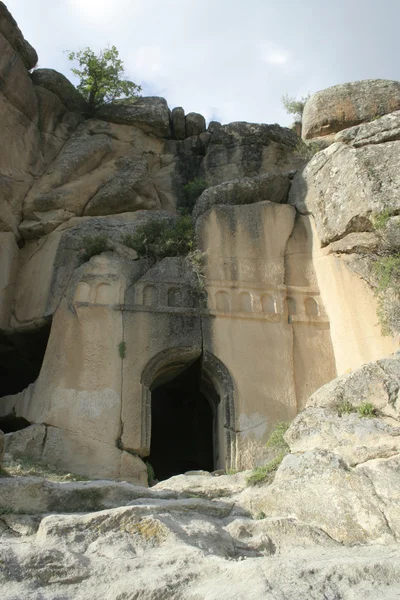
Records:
x=102, y=77
x=293, y=106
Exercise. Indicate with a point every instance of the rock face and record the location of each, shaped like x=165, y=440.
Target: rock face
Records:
x=59, y=85
x=10, y=30
x=1, y=446
x=348, y=104
x=346, y=188
x=247, y=150
x=273, y=188
x=149, y=114
x=178, y=123
x=210, y=536
x=354, y=174
x=195, y=124
x=248, y=324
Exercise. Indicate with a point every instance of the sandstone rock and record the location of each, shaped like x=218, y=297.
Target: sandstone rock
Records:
x=33, y=495
x=8, y=273
x=1, y=446
x=379, y=131
x=356, y=185
x=42, y=223
x=384, y=475
x=20, y=157
x=377, y=383
x=348, y=104
x=204, y=486
x=392, y=233
x=129, y=188
x=26, y=442
x=355, y=242
x=195, y=124
x=247, y=150
x=60, y=86
x=12, y=33
x=149, y=113
x=178, y=123
x=69, y=451
x=354, y=438
x=102, y=168
x=303, y=489
x=273, y=188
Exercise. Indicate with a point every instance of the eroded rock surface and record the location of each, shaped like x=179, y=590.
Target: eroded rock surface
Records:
x=348, y=104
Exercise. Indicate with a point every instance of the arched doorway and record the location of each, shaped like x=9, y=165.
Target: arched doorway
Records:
x=188, y=413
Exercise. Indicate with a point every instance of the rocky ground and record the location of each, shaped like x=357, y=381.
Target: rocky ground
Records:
x=326, y=527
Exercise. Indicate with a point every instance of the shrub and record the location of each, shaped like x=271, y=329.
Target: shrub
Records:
x=345, y=408
x=122, y=349
x=193, y=191
x=367, y=410
x=150, y=473
x=293, y=106
x=265, y=473
x=195, y=260
x=387, y=273
x=93, y=245
x=276, y=439
x=156, y=240
x=380, y=221
x=308, y=150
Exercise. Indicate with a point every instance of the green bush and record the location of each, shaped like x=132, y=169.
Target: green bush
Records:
x=345, y=408
x=265, y=473
x=293, y=106
x=150, y=473
x=122, y=349
x=367, y=410
x=93, y=245
x=380, y=221
x=387, y=274
x=275, y=439
x=308, y=150
x=156, y=240
x=193, y=191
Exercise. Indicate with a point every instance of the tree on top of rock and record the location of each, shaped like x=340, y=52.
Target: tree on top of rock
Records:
x=102, y=77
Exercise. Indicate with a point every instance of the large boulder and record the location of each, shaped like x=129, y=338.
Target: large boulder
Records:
x=102, y=169
x=333, y=419
x=347, y=185
x=178, y=123
x=195, y=124
x=273, y=188
x=249, y=149
x=60, y=86
x=348, y=104
x=12, y=33
x=151, y=114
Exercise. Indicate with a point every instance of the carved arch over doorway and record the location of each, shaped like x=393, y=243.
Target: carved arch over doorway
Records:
x=168, y=364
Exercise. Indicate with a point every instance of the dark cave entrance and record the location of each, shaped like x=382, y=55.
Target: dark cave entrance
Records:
x=183, y=424
x=21, y=358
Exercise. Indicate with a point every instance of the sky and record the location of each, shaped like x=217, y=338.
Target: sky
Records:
x=230, y=60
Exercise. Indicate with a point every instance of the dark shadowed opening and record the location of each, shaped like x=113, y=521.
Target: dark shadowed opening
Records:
x=11, y=423
x=182, y=425
x=21, y=358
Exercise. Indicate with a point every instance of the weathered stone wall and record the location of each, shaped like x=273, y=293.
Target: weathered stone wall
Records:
x=288, y=255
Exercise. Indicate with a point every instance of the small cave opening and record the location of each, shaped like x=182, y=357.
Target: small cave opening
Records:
x=182, y=425
x=21, y=358
x=11, y=423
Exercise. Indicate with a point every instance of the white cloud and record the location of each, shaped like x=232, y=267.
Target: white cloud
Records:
x=273, y=54
x=148, y=61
